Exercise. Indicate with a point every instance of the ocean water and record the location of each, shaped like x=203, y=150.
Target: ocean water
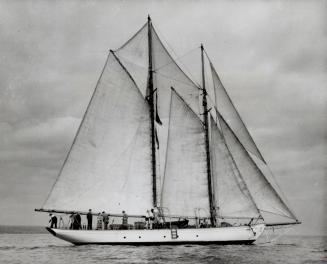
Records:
x=25, y=246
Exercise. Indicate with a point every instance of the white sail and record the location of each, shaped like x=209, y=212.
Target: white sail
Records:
x=134, y=55
x=228, y=111
x=231, y=193
x=109, y=164
x=264, y=195
x=168, y=74
x=185, y=186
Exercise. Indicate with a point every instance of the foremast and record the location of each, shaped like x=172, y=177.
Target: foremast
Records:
x=150, y=98
x=212, y=206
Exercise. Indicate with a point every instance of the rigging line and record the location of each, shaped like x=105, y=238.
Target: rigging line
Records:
x=177, y=58
x=192, y=80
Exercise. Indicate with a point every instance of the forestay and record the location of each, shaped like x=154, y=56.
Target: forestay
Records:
x=185, y=186
x=264, y=195
x=109, y=164
x=231, y=194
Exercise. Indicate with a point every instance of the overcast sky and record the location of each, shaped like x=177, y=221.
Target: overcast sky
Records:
x=271, y=56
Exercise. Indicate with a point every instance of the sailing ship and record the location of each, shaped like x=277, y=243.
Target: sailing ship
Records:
x=152, y=137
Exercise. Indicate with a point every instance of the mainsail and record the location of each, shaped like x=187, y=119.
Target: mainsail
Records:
x=185, y=186
x=232, y=196
x=109, y=164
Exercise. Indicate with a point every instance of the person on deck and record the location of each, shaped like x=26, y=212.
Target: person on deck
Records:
x=77, y=222
x=154, y=218
x=71, y=220
x=125, y=221
x=105, y=220
x=53, y=221
x=99, y=222
x=89, y=219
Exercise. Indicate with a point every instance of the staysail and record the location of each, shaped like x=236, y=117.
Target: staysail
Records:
x=185, y=186
x=266, y=198
x=109, y=164
x=231, y=193
x=227, y=109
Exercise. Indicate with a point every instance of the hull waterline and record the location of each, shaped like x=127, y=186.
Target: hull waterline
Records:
x=222, y=235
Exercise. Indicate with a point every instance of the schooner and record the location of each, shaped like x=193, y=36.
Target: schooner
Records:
x=152, y=137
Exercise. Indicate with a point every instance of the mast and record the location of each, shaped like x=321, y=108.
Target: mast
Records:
x=151, y=104
x=206, y=128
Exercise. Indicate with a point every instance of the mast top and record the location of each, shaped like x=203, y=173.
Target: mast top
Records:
x=149, y=18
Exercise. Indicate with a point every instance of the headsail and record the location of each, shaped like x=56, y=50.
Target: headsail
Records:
x=185, y=187
x=109, y=164
x=266, y=198
x=228, y=111
x=232, y=195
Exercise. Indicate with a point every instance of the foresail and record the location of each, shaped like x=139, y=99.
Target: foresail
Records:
x=185, y=186
x=231, y=193
x=232, y=117
x=266, y=198
x=109, y=165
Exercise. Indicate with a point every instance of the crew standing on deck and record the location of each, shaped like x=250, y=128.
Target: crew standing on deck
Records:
x=154, y=218
x=89, y=219
x=99, y=222
x=53, y=221
x=105, y=220
x=125, y=221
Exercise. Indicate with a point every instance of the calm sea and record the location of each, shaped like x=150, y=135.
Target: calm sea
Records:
x=29, y=245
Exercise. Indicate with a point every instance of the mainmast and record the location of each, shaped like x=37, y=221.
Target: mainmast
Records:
x=151, y=104
x=206, y=128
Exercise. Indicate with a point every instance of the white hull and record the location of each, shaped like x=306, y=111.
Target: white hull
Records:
x=222, y=235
